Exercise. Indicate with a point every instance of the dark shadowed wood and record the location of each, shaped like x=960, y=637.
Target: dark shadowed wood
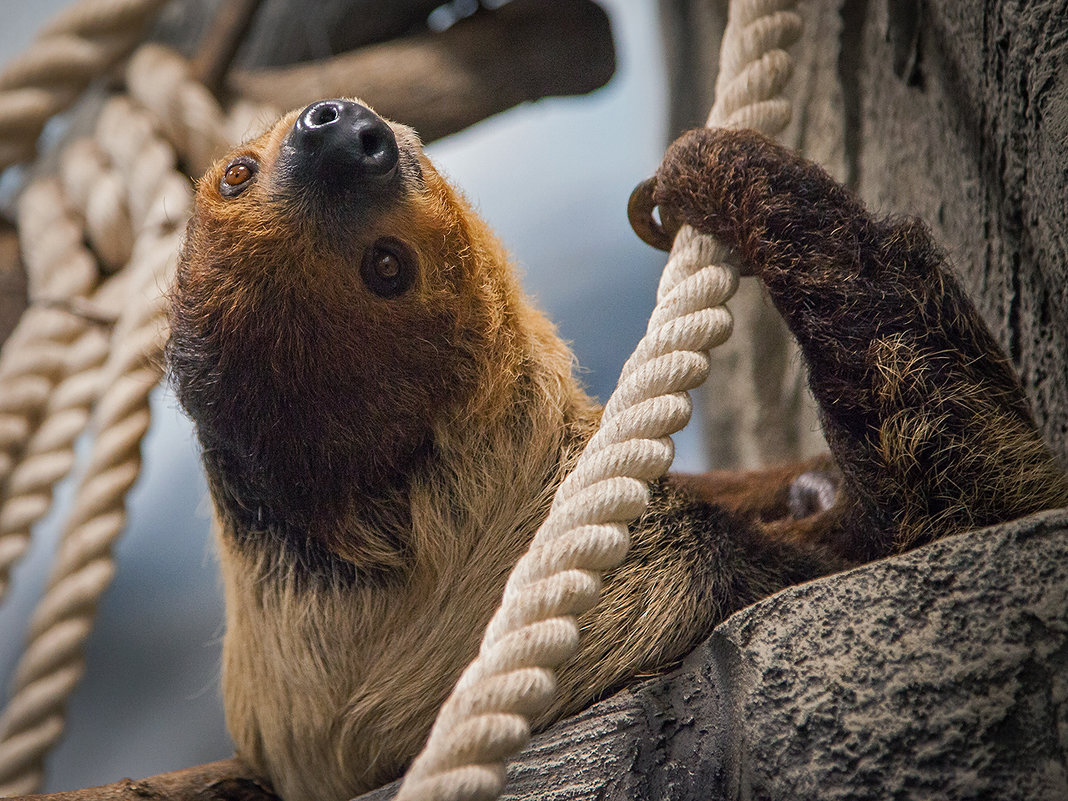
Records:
x=441, y=83
x=227, y=780
x=285, y=32
x=222, y=40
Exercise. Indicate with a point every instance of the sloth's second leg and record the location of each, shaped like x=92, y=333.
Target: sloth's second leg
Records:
x=922, y=410
x=784, y=494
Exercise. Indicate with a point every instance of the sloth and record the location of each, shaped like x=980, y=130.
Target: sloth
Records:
x=384, y=417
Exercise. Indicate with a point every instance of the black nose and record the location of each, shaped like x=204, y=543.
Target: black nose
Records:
x=342, y=142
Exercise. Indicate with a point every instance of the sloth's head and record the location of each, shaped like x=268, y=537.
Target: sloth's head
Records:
x=337, y=304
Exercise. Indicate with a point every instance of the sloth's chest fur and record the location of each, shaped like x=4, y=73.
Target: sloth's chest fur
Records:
x=330, y=691
x=331, y=686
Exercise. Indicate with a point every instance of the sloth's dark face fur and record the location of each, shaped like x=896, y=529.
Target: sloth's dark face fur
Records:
x=327, y=321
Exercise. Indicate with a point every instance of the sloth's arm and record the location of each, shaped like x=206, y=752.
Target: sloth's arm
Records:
x=922, y=410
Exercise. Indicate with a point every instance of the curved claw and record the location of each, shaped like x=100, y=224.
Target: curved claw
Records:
x=660, y=234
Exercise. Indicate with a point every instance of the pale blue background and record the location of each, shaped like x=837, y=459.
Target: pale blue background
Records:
x=553, y=178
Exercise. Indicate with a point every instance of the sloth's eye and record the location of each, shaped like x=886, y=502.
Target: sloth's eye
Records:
x=238, y=176
x=388, y=267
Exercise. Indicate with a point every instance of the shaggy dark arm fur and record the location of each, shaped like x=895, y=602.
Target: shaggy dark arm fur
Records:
x=921, y=408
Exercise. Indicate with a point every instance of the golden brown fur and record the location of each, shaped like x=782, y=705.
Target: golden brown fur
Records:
x=377, y=466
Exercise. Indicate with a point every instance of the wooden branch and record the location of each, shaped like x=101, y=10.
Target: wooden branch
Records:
x=290, y=32
x=222, y=40
x=228, y=780
x=441, y=83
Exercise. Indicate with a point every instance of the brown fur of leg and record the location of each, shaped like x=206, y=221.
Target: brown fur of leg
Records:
x=922, y=410
x=763, y=498
x=761, y=495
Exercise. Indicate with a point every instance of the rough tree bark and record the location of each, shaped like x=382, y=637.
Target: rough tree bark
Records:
x=899, y=679
x=226, y=780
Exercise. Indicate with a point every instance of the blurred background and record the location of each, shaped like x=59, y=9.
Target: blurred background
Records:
x=552, y=177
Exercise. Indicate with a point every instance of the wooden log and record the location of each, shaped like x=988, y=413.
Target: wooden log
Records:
x=442, y=83
x=935, y=673
x=226, y=780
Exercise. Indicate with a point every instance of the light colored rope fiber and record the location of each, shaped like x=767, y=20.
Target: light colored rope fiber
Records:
x=129, y=142
x=37, y=357
x=54, y=659
x=163, y=83
x=95, y=187
x=486, y=720
x=76, y=47
x=87, y=203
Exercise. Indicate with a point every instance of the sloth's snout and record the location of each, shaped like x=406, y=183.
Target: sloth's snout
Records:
x=341, y=143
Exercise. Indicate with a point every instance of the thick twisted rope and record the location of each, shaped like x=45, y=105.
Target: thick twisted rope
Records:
x=37, y=358
x=486, y=720
x=90, y=195
x=192, y=121
x=76, y=47
x=54, y=659
x=155, y=212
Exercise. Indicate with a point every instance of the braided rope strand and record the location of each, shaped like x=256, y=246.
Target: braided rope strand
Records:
x=38, y=359
x=90, y=187
x=54, y=660
x=535, y=629
x=76, y=47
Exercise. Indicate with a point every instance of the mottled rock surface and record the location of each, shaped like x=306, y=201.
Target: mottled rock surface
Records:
x=942, y=673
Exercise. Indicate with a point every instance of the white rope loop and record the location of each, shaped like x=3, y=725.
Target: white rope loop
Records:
x=586, y=530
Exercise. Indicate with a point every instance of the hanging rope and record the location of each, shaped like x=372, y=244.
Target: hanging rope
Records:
x=486, y=720
x=103, y=178
x=36, y=358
